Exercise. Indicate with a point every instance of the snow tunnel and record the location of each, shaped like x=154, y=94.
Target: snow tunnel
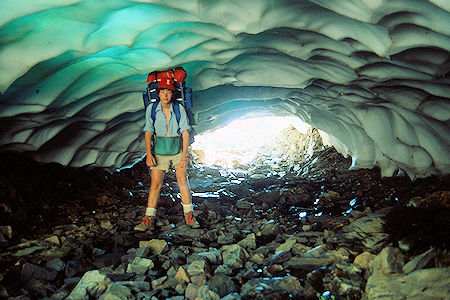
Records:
x=373, y=76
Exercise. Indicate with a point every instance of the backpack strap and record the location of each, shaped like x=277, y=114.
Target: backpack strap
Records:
x=153, y=113
x=176, y=110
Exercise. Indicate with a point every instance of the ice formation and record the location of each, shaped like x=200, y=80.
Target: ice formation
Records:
x=373, y=75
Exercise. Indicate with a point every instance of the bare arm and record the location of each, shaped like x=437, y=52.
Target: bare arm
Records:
x=150, y=160
x=184, y=155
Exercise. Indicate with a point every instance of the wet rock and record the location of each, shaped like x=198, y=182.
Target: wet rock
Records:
x=421, y=284
x=222, y=285
x=368, y=231
x=92, y=284
x=205, y=293
x=77, y=267
x=389, y=260
x=272, y=287
x=155, y=246
x=364, y=259
x=55, y=265
x=182, y=275
x=117, y=292
x=281, y=256
x=28, y=251
x=249, y=242
x=420, y=261
x=234, y=256
x=140, y=265
x=30, y=271
x=213, y=257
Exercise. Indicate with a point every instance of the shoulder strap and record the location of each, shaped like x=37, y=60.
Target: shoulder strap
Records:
x=153, y=113
x=176, y=110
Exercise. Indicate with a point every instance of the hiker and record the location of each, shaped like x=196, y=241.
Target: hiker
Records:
x=166, y=130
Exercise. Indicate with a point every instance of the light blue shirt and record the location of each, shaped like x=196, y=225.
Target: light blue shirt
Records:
x=159, y=127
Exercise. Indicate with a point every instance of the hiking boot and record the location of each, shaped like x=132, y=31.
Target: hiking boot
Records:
x=191, y=221
x=148, y=223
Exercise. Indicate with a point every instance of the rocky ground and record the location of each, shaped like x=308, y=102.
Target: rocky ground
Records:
x=273, y=230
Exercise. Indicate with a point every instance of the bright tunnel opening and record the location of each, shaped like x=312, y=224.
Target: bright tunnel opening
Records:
x=243, y=141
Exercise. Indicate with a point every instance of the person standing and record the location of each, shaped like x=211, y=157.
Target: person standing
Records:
x=169, y=151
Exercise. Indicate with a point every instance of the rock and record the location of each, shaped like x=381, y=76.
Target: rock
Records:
x=6, y=231
x=222, y=285
x=213, y=257
x=191, y=291
x=205, y=293
x=364, y=259
x=300, y=249
x=286, y=246
x=232, y=296
x=270, y=229
x=156, y=283
x=420, y=261
x=28, y=251
x=234, y=256
x=281, y=256
x=106, y=224
x=92, y=284
x=155, y=246
x=306, y=264
x=275, y=288
x=249, y=242
x=77, y=267
x=30, y=271
x=389, y=260
x=421, y=284
x=53, y=240
x=181, y=274
x=198, y=267
x=140, y=265
x=367, y=230
x=136, y=286
x=55, y=265
x=117, y=292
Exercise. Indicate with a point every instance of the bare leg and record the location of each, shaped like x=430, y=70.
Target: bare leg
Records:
x=183, y=184
x=157, y=177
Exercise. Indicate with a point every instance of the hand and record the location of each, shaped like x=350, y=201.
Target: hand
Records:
x=150, y=161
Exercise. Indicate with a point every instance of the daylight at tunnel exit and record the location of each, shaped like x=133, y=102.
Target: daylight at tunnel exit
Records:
x=289, y=149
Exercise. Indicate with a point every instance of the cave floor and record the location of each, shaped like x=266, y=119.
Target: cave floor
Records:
x=39, y=201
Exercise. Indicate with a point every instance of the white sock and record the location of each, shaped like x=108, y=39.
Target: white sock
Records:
x=150, y=212
x=187, y=208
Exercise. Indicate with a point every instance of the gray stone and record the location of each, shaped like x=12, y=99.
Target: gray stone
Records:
x=232, y=296
x=155, y=246
x=419, y=261
x=421, y=284
x=6, y=231
x=234, y=256
x=222, y=285
x=205, y=293
x=28, y=251
x=364, y=259
x=142, y=252
x=249, y=242
x=281, y=256
x=77, y=267
x=93, y=283
x=278, y=287
x=30, y=271
x=198, y=267
x=270, y=229
x=158, y=282
x=140, y=265
x=55, y=265
x=213, y=257
x=287, y=246
x=191, y=291
x=223, y=269
x=137, y=286
x=389, y=260
x=117, y=292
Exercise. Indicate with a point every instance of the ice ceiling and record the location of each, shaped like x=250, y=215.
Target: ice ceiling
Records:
x=373, y=74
